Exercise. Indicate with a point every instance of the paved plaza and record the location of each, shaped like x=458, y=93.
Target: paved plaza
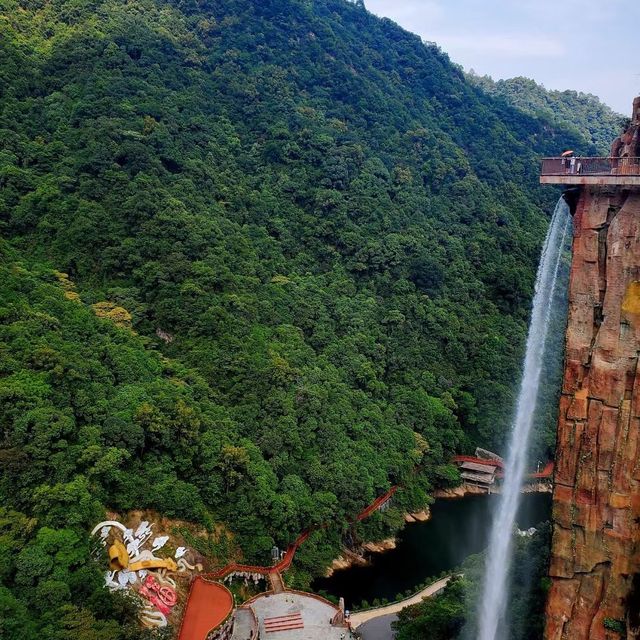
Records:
x=315, y=615
x=244, y=625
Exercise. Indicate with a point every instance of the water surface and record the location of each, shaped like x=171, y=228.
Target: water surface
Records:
x=457, y=529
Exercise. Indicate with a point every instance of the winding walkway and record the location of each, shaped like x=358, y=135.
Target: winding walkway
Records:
x=273, y=572
x=286, y=561
x=203, y=590
x=357, y=619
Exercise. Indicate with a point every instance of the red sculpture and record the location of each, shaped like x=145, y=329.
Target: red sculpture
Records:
x=162, y=597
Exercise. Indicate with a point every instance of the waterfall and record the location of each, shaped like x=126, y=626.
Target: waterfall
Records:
x=495, y=588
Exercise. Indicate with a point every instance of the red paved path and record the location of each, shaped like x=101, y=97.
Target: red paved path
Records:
x=208, y=605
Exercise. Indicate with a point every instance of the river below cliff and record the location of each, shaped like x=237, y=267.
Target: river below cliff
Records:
x=457, y=529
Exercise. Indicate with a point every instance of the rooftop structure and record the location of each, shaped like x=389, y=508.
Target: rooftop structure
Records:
x=484, y=469
x=481, y=473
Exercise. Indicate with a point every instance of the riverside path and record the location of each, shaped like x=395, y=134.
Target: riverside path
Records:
x=361, y=617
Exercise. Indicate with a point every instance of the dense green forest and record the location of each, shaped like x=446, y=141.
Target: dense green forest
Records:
x=74, y=390
x=582, y=113
x=260, y=262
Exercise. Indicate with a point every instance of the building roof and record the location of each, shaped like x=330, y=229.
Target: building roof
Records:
x=479, y=468
x=483, y=478
x=209, y=605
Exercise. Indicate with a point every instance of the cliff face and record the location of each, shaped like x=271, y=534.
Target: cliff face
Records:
x=595, y=567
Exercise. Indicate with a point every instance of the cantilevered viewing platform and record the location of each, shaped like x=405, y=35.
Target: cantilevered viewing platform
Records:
x=591, y=171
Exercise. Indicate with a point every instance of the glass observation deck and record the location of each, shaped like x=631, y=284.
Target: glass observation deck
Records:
x=594, y=171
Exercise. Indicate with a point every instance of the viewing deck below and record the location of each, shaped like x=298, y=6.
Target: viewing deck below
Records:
x=591, y=171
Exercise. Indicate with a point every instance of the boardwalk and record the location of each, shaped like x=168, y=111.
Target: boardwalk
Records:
x=285, y=563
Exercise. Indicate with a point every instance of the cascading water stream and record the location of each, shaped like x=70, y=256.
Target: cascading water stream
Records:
x=495, y=589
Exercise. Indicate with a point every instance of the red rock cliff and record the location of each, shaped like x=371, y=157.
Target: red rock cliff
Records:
x=595, y=565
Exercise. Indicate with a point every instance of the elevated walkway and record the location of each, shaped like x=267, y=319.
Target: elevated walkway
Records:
x=599, y=171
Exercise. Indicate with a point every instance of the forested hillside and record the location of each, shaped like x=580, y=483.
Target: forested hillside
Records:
x=582, y=113
x=262, y=261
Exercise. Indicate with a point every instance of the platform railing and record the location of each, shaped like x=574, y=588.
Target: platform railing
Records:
x=590, y=166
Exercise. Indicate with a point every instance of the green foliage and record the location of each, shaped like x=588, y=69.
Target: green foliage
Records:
x=448, y=475
x=311, y=243
x=346, y=228
x=618, y=626
x=583, y=113
x=437, y=618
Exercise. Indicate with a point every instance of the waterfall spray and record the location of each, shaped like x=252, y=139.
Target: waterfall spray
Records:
x=495, y=589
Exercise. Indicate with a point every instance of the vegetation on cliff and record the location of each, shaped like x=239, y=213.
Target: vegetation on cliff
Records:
x=262, y=261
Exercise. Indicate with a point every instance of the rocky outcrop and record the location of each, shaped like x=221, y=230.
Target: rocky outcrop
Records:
x=359, y=556
x=628, y=144
x=595, y=565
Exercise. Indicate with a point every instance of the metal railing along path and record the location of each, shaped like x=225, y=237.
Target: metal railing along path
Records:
x=601, y=166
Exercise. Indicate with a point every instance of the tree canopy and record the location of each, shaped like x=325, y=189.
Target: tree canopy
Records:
x=261, y=261
x=580, y=112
